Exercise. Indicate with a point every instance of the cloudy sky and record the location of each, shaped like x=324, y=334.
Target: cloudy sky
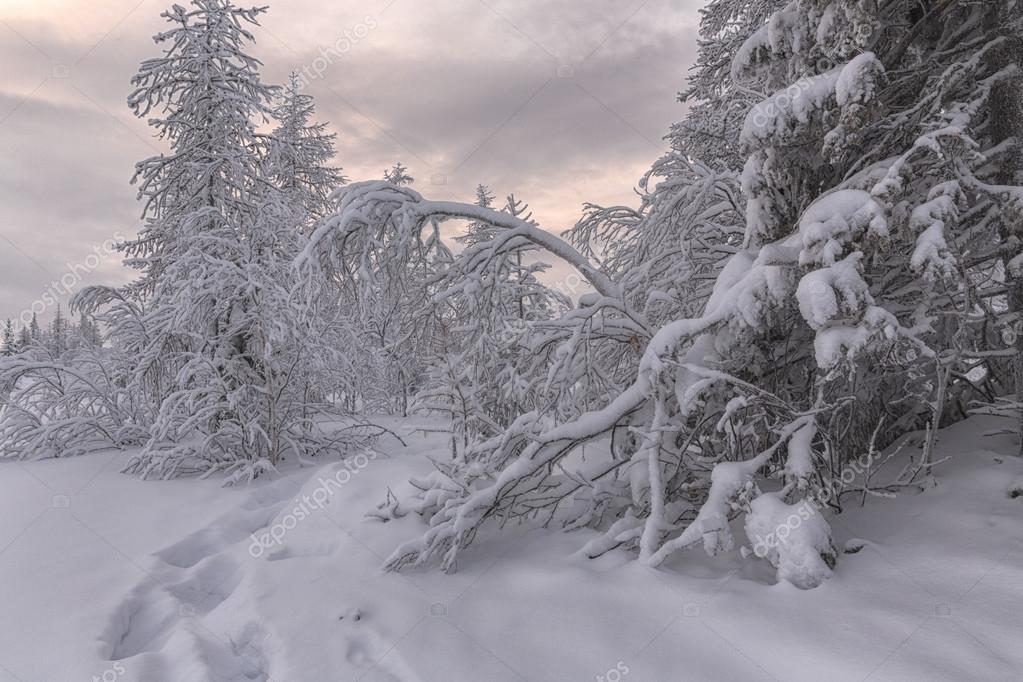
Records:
x=558, y=101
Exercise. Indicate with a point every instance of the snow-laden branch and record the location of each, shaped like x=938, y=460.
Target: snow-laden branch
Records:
x=367, y=205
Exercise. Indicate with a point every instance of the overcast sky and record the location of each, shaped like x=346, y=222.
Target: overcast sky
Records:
x=558, y=101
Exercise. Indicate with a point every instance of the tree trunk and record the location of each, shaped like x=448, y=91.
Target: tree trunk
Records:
x=1006, y=107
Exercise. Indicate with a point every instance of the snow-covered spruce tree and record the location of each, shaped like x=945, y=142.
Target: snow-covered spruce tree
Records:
x=214, y=353
x=717, y=107
x=878, y=211
x=398, y=175
x=24, y=339
x=35, y=334
x=300, y=153
x=230, y=344
x=10, y=344
x=56, y=339
x=201, y=96
x=87, y=332
x=476, y=232
x=298, y=162
x=992, y=276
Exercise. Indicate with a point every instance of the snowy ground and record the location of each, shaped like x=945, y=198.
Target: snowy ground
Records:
x=104, y=577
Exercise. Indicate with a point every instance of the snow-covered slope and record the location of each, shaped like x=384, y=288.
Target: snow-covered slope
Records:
x=107, y=577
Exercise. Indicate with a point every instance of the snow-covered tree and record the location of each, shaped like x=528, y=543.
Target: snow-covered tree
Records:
x=807, y=293
x=59, y=404
x=717, y=107
x=201, y=202
x=398, y=175
x=35, y=333
x=300, y=152
x=476, y=232
x=827, y=261
x=24, y=338
x=201, y=97
x=216, y=353
x=234, y=345
x=57, y=336
x=386, y=295
x=88, y=333
x=66, y=405
x=481, y=376
x=10, y=345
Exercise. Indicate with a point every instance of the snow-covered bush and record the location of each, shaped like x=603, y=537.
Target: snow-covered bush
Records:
x=65, y=405
x=84, y=398
x=794, y=538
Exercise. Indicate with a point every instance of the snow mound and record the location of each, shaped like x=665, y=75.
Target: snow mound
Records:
x=940, y=570
x=795, y=539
